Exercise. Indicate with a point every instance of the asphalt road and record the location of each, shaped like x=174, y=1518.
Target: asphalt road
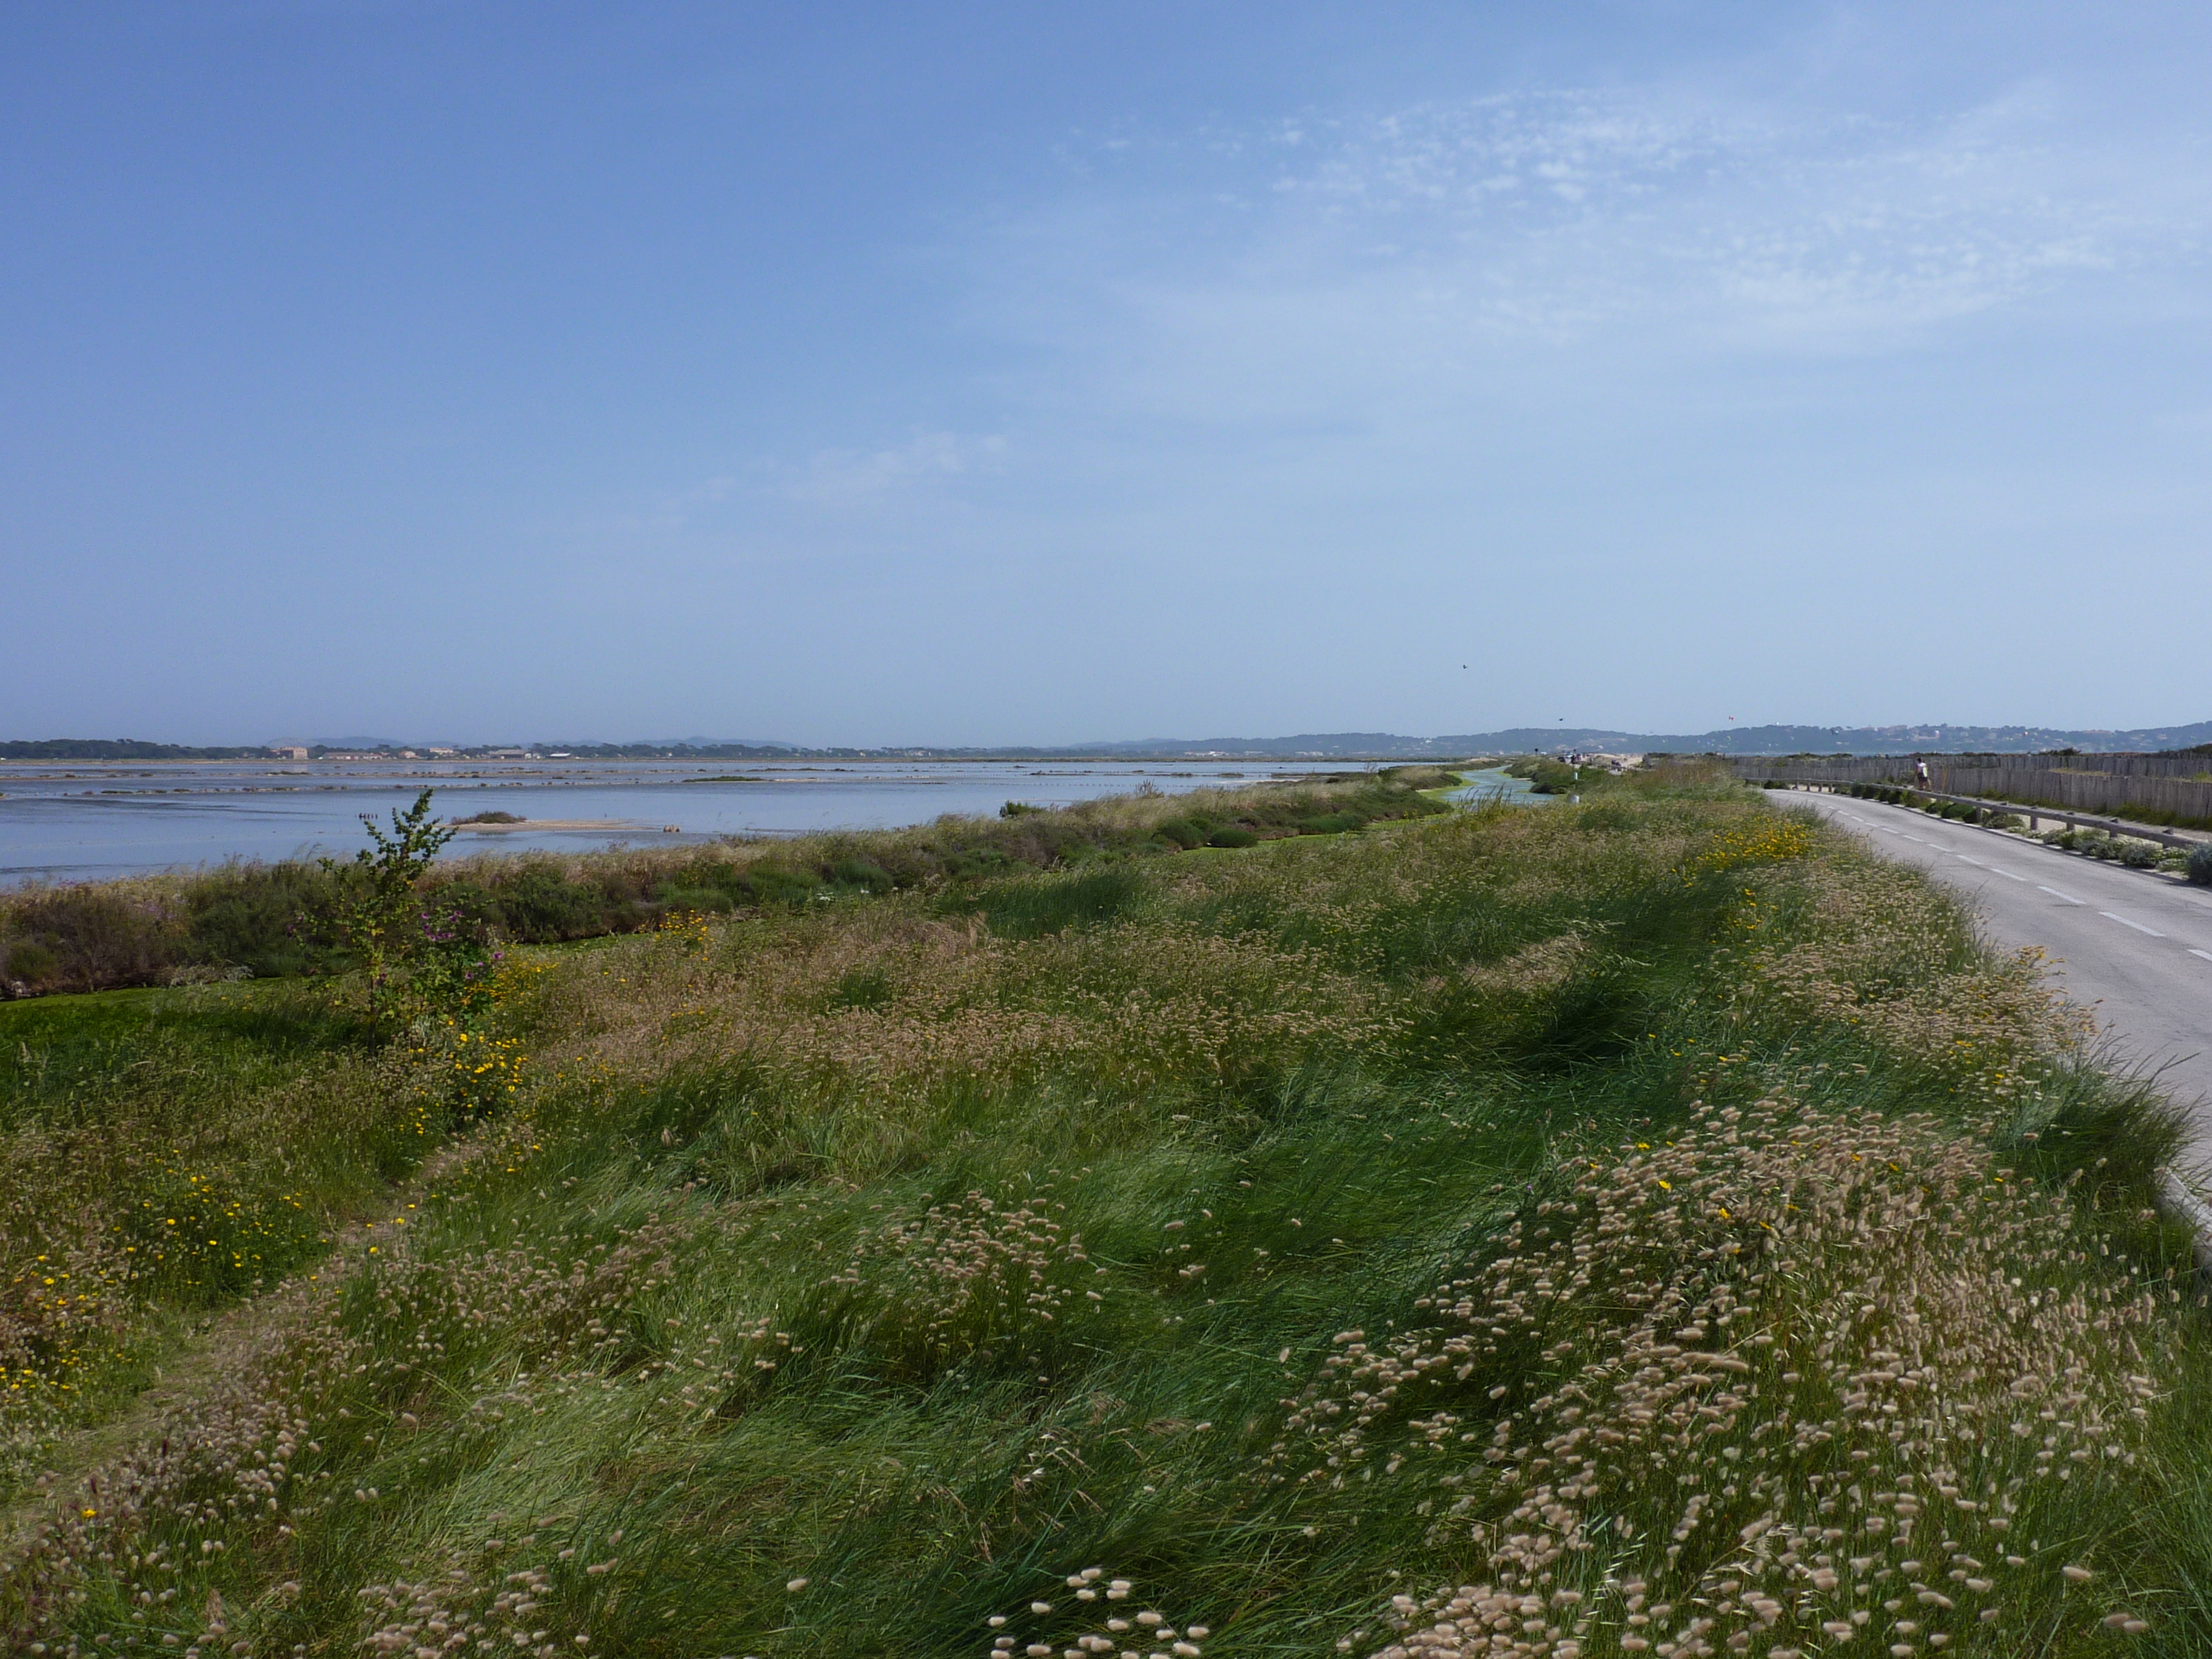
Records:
x=2135, y=946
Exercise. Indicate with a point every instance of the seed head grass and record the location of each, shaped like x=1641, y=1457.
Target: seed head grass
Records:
x=1648, y=1227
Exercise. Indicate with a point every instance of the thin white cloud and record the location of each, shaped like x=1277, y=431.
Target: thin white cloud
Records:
x=1546, y=216
x=839, y=476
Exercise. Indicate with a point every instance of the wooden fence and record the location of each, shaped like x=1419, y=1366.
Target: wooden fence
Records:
x=2184, y=799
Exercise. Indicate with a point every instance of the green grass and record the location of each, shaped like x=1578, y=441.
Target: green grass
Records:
x=663, y=1324
x=273, y=919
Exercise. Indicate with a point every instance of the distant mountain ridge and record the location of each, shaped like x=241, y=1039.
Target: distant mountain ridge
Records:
x=1936, y=739
x=1729, y=741
x=117, y=748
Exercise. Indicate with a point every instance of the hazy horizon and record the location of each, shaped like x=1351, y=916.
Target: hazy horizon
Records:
x=982, y=375
x=1936, y=733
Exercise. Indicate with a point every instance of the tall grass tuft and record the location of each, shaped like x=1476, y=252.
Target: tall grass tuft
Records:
x=1643, y=1226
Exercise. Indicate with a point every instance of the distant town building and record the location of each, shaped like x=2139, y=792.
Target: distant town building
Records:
x=289, y=751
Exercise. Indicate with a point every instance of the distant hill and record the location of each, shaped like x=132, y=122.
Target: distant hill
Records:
x=1310, y=745
x=116, y=749
x=1938, y=739
x=1729, y=740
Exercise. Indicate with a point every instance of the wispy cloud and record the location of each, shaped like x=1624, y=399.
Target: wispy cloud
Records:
x=885, y=477
x=1547, y=216
x=839, y=476
x=1338, y=273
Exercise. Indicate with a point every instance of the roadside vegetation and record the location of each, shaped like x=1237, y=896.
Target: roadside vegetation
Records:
x=2134, y=852
x=1898, y=795
x=1644, y=1226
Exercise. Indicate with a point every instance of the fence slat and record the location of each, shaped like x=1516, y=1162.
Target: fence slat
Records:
x=2076, y=787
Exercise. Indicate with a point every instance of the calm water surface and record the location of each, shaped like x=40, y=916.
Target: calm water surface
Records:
x=1491, y=784
x=85, y=822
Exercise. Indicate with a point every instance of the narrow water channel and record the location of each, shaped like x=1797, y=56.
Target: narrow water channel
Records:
x=1490, y=783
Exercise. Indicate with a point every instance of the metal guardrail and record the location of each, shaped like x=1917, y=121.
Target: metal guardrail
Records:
x=2110, y=826
x=2169, y=796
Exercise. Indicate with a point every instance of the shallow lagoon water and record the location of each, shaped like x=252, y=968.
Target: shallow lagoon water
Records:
x=1491, y=784
x=88, y=821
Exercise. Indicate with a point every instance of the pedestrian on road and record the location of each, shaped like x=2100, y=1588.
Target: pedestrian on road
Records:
x=1920, y=772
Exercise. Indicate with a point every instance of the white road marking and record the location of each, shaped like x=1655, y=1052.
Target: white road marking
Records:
x=2007, y=874
x=2055, y=893
x=2110, y=916
x=1909, y=836
x=1963, y=858
x=2207, y=955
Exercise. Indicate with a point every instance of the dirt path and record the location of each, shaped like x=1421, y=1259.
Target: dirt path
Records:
x=213, y=1349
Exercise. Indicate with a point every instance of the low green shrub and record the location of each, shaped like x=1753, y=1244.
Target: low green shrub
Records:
x=538, y=903
x=770, y=884
x=1185, y=833
x=673, y=898
x=95, y=937
x=1329, y=824
x=976, y=864
x=2102, y=844
x=2199, y=867
x=1548, y=777
x=1232, y=837
x=250, y=916
x=29, y=962
x=1051, y=904
x=707, y=872
x=862, y=873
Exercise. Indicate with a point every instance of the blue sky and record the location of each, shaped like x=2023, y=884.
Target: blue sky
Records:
x=1009, y=374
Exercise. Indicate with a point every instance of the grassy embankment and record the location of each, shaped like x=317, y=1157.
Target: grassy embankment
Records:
x=251, y=920
x=1646, y=1226
x=167, y=1154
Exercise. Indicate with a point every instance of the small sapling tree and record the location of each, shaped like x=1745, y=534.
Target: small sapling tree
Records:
x=375, y=915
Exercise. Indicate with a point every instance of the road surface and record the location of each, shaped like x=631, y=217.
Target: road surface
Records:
x=2135, y=946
